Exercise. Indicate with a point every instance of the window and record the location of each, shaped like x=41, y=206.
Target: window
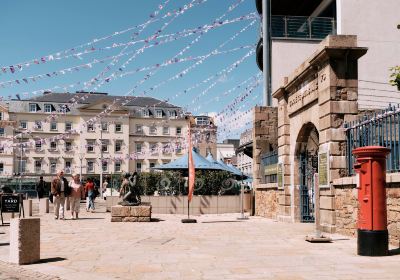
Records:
x=138, y=147
x=118, y=146
x=153, y=147
x=165, y=130
x=1, y=116
x=172, y=114
x=104, y=126
x=53, y=166
x=53, y=126
x=1, y=149
x=104, y=146
x=38, y=145
x=23, y=124
x=118, y=127
x=117, y=166
x=38, y=125
x=67, y=166
x=158, y=113
x=1, y=131
x=63, y=108
x=139, y=128
x=32, y=107
x=178, y=149
x=38, y=166
x=138, y=167
x=202, y=121
x=104, y=165
x=165, y=148
x=90, y=146
x=179, y=131
x=68, y=126
x=153, y=129
x=53, y=145
x=1, y=167
x=22, y=166
x=90, y=166
x=152, y=164
x=90, y=127
x=68, y=146
x=48, y=108
x=145, y=113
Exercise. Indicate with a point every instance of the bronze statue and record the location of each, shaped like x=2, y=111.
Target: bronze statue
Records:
x=130, y=191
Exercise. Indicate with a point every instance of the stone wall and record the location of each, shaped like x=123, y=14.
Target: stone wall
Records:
x=266, y=201
x=346, y=205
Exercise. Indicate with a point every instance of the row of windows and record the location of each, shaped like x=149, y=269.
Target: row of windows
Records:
x=104, y=127
x=49, y=108
x=90, y=166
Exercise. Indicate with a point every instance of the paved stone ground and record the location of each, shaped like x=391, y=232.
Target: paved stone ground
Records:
x=217, y=247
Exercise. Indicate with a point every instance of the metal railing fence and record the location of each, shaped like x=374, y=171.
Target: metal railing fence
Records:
x=302, y=27
x=381, y=128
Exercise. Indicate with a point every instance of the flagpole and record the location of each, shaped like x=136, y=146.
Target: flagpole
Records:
x=188, y=220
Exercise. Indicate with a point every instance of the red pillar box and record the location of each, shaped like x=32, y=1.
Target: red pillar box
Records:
x=372, y=216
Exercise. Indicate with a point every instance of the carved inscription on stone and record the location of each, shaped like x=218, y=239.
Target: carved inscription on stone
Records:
x=305, y=95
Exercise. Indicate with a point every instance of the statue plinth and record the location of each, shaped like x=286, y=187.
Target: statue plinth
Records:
x=141, y=213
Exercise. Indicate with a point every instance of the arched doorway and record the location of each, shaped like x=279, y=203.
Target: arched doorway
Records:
x=307, y=147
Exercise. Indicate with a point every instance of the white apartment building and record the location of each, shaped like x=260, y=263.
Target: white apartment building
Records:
x=243, y=161
x=64, y=131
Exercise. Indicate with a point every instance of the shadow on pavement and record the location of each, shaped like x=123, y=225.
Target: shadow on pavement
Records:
x=156, y=220
x=214, y=222
x=5, y=244
x=394, y=252
x=48, y=260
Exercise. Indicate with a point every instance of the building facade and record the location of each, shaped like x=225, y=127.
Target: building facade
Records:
x=204, y=134
x=88, y=133
x=243, y=161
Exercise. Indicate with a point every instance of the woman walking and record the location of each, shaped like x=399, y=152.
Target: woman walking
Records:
x=77, y=193
x=91, y=195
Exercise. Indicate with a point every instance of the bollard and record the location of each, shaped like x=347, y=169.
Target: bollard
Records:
x=24, y=240
x=44, y=206
x=373, y=237
x=28, y=207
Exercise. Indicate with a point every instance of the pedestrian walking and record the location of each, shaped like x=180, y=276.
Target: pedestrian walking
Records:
x=89, y=188
x=60, y=190
x=77, y=193
x=104, y=187
x=40, y=187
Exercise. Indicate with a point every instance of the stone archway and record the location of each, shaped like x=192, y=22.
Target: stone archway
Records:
x=306, y=166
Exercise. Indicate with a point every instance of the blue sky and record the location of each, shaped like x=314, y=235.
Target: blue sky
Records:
x=33, y=29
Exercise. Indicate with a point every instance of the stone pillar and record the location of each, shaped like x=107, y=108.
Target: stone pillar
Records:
x=44, y=206
x=27, y=207
x=25, y=240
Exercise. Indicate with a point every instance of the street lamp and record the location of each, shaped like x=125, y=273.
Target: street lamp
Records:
x=101, y=160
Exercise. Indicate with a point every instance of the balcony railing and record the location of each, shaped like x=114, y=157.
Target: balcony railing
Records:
x=317, y=28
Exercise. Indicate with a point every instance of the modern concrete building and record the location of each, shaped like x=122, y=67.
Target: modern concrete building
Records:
x=298, y=26
x=69, y=131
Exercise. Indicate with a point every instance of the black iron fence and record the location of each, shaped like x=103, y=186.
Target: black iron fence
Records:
x=268, y=168
x=302, y=27
x=380, y=128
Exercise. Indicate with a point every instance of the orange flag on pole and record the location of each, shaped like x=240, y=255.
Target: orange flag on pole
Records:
x=192, y=173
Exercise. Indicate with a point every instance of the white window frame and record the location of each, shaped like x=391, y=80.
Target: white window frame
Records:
x=145, y=113
x=180, y=132
x=165, y=130
x=68, y=149
x=90, y=146
x=48, y=108
x=90, y=166
x=153, y=127
x=38, y=145
x=139, y=128
x=25, y=126
x=38, y=170
x=68, y=124
x=120, y=142
x=1, y=116
x=104, y=126
x=159, y=113
x=51, y=144
x=51, y=124
x=2, y=131
x=117, y=166
x=53, y=166
x=1, y=167
x=138, y=145
x=90, y=127
x=22, y=166
x=139, y=166
x=104, y=164
x=32, y=107
x=38, y=125
x=68, y=170
x=104, y=144
x=120, y=127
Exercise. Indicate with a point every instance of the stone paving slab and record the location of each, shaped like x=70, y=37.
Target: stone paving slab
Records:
x=217, y=247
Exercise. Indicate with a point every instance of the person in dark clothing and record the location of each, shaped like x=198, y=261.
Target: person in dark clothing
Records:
x=40, y=187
